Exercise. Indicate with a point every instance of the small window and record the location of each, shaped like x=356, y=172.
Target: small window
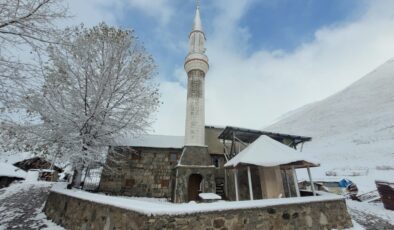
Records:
x=173, y=157
x=216, y=162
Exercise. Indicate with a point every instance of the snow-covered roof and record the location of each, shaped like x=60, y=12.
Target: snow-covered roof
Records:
x=14, y=156
x=9, y=170
x=267, y=152
x=152, y=141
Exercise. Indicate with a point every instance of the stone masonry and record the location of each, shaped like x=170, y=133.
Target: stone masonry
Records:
x=74, y=213
x=181, y=187
x=194, y=160
x=143, y=172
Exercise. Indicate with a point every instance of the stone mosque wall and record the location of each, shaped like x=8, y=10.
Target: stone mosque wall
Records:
x=141, y=172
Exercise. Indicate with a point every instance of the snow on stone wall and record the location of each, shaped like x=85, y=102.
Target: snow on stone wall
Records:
x=73, y=209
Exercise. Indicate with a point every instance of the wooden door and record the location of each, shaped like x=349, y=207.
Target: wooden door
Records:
x=194, y=186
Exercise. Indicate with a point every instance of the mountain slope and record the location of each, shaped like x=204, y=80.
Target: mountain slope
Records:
x=353, y=128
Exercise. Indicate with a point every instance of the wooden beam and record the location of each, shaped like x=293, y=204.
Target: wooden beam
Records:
x=296, y=181
x=250, y=184
x=302, y=146
x=236, y=184
x=239, y=140
x=287, y=182
x=311, y=181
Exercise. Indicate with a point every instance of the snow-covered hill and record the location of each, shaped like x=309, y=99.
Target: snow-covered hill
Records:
x=352, y=130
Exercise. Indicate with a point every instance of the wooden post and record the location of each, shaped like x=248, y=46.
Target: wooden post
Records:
x=225, y=183
x=231, y=148
x=250, y=184
x=287, y=182
x=236, y=184
x=295, y=181
x=234, y=149
x=311, y=181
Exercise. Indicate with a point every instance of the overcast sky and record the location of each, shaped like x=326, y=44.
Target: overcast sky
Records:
x=266, y=57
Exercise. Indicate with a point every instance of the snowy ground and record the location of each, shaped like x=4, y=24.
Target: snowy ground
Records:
x=352, y=131
x=21, y=208
x=371, y=215
x=365, y=183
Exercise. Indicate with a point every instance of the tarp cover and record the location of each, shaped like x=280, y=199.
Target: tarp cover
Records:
x=267, y=152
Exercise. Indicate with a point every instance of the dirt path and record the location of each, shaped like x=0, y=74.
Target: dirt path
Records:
x=21, y=205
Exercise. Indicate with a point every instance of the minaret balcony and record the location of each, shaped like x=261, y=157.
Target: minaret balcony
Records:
x=196, y=61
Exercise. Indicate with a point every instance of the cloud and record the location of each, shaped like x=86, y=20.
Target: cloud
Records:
x=91, y=12
x=227, y=33
x=172, y=113
x=251, y=90
x=159, y=9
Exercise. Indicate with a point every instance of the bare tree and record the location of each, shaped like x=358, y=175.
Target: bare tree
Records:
x=26, y=26
x=98, y=84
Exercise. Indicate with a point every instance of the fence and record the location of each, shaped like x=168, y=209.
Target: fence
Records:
x=92, y=179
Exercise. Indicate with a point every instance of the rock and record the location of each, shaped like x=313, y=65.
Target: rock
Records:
x=218, y=223
x=286, y=216
x=323, y=219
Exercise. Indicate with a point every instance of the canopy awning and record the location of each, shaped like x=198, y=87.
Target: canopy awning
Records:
x=250, y=135
x=267, y=152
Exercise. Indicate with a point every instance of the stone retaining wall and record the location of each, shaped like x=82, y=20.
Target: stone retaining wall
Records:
x=75, y=213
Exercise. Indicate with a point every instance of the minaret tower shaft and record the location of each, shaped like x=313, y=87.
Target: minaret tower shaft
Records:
x=195, y=159
x=196, y=67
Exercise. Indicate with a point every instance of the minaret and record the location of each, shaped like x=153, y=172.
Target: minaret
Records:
x=196, y=66
x=195, y=161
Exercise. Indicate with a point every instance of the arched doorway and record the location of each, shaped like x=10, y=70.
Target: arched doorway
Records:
x=193, y=187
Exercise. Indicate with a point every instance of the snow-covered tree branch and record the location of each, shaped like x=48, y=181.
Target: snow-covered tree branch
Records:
x=29, y=21
x=26, y=27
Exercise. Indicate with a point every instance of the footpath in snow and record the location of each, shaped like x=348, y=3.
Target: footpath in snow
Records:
x=371, y=215
x=21, y=206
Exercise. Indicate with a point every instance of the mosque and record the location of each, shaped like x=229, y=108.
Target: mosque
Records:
x=208, y=158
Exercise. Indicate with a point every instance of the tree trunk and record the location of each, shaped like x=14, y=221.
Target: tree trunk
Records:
x=55, y=157
x=77, y=177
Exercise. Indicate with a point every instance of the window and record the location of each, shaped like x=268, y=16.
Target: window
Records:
x=216, y=161
x=173, y=157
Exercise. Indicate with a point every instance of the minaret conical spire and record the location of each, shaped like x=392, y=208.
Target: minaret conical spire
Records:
x=197, y=25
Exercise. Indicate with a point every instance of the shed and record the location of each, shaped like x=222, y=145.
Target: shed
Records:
x=270, y=156
x=36, y=163
x=9, y=173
